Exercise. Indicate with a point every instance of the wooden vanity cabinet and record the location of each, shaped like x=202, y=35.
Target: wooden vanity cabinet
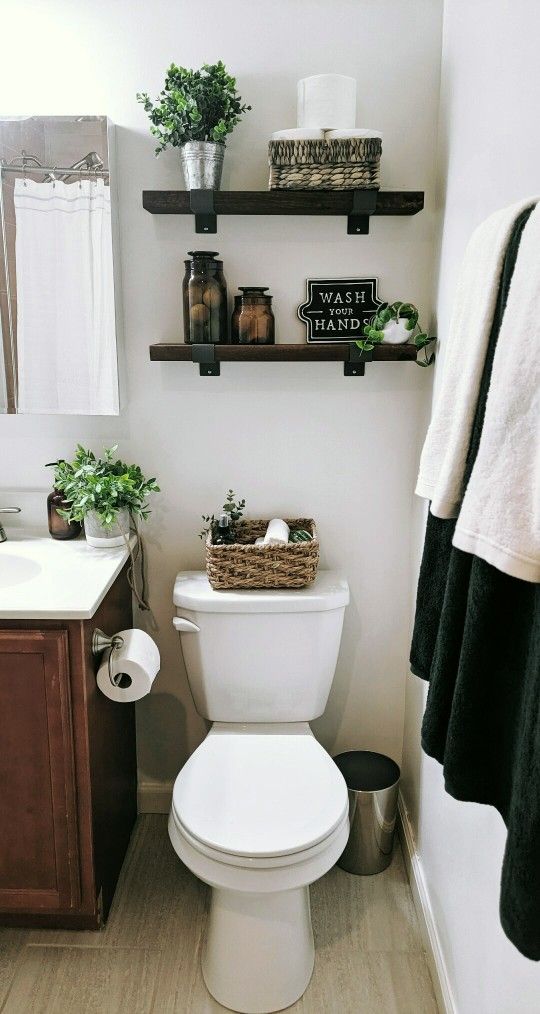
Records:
x=68, y=777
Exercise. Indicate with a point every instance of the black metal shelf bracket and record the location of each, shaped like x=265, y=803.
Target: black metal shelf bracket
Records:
x=363, y=205
x=202, y=205
x=355, y=365
x=205, y=356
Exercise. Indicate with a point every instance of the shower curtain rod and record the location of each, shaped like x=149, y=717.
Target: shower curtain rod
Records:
x=30, y=163
x=64, y=170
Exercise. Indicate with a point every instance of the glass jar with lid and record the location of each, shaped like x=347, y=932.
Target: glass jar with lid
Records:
x=252, y=321
x=205, y=299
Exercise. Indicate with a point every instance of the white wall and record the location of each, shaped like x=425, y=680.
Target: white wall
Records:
x=290, y=438
x=489, y=156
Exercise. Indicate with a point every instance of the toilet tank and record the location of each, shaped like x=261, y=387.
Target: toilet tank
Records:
x=260, y=656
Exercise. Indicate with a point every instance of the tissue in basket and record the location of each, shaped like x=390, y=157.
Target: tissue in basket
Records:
x=244, y=565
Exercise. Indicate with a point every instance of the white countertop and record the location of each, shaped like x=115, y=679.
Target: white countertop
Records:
x=44, y=579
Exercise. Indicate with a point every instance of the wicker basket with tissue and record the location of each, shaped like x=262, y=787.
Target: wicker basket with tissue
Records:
x=245, y=565
x=348, y=164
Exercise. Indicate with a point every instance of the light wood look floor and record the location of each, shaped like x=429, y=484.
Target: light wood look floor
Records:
x=146, y=961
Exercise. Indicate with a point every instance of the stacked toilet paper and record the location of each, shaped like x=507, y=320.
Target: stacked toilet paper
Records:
x=327, y=102
x=301, y=134
x=326, y=110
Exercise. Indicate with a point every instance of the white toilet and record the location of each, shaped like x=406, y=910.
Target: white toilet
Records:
x=260, y=810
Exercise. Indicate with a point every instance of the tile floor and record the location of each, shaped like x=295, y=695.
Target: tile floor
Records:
x=369, y=960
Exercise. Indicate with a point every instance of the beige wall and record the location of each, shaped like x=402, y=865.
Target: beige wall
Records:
x=292, y=439
x=489, y=156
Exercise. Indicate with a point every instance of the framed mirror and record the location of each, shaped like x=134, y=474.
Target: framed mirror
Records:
x=59, y=303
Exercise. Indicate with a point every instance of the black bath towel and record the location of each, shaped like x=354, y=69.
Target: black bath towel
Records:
x=477, y=640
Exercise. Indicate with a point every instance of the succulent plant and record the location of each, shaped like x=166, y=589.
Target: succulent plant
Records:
x=194, y=105
x=407, y=313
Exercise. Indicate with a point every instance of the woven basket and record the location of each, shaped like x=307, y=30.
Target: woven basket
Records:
x=243, y=565
x=351, y=164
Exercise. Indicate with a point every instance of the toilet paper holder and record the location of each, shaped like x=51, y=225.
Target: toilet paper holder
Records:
x=100, y=642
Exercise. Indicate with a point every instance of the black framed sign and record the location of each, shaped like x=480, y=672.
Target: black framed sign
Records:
x=336, y=309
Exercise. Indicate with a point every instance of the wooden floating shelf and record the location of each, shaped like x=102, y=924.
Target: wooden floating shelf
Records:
x=357, y=205
x=209, y=356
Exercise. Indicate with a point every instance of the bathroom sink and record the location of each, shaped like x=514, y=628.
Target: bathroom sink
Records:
x=44, y=579
x=16, y=569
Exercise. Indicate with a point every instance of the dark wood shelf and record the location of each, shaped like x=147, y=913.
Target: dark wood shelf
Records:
x=208, y=357
x=357, y=205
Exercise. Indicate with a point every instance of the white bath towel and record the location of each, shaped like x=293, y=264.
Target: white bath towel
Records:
x=499, y=519
x=442, y=462
x=277, y=533
x=66, y=336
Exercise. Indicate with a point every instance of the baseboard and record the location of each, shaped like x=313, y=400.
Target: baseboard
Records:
x=154, y=797
x=422, y=903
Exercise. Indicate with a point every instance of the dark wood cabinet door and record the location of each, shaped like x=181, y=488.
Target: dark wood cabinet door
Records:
x=39, y=867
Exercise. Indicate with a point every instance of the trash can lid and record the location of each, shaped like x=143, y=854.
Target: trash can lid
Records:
x=365, y=771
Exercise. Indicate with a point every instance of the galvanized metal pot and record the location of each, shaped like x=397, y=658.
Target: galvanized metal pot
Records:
x=202, y=164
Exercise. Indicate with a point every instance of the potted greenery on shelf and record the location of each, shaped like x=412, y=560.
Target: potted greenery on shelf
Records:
x=105, y=493
x=195, y=112
x=395, y=324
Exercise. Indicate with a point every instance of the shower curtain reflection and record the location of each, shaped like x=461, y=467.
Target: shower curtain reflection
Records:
x=58, y=317
x=66, y=348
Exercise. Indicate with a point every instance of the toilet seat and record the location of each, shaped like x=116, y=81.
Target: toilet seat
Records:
x=260, y=796
x=261, y=862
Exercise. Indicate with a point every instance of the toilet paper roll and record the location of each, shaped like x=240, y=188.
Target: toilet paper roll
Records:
x=298, y=134
x=343, y=135
x=277, y=533
x=327, y=101
x=136, y=663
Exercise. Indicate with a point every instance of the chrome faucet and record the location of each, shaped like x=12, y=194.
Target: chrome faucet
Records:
x=7, y=510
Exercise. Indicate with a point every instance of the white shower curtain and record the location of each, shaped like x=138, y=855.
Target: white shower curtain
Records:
x=66, y=336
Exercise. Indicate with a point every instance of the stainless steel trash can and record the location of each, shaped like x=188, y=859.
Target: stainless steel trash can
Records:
x=373, y=781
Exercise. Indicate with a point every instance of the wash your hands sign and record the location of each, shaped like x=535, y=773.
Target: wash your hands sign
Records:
x=336, y=309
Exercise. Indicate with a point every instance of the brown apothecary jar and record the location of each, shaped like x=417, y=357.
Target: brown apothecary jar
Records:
x=205, y=299
x=59, y=528
x=252, y=321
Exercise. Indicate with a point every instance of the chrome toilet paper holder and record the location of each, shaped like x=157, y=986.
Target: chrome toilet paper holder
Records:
x=100, y=642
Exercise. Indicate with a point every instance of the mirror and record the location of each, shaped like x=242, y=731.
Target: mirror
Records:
x=58, y=311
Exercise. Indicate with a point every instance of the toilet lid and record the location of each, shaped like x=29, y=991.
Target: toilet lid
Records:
x=260, y=795
x=192, y=590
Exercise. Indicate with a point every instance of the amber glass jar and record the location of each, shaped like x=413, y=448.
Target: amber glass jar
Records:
x=59, y=528
x=252, y=321
x=205, y=299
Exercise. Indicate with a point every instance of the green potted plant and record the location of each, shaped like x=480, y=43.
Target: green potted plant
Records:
x=195, y=111
x=104, y=493
x=395, y=324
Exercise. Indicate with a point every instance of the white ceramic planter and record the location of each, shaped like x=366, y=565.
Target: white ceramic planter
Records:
x=106, y=538
x=396, y=333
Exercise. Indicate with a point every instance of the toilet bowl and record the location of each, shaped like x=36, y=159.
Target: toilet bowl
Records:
x=260, y=810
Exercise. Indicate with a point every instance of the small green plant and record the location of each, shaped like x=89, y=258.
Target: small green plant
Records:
x=234, y=508
x=387, y=312
x=104, y=485
x=194, y=105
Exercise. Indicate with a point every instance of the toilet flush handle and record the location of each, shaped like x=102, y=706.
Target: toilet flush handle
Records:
x=186, y=626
